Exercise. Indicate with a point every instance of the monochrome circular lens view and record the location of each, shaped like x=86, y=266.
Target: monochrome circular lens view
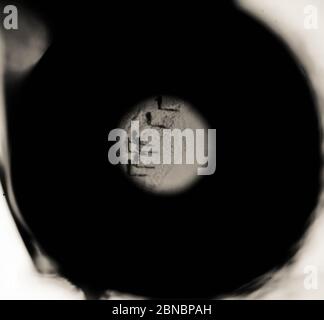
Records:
x=118, y=207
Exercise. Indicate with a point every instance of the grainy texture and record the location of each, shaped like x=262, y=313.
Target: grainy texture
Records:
x=163, y=113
